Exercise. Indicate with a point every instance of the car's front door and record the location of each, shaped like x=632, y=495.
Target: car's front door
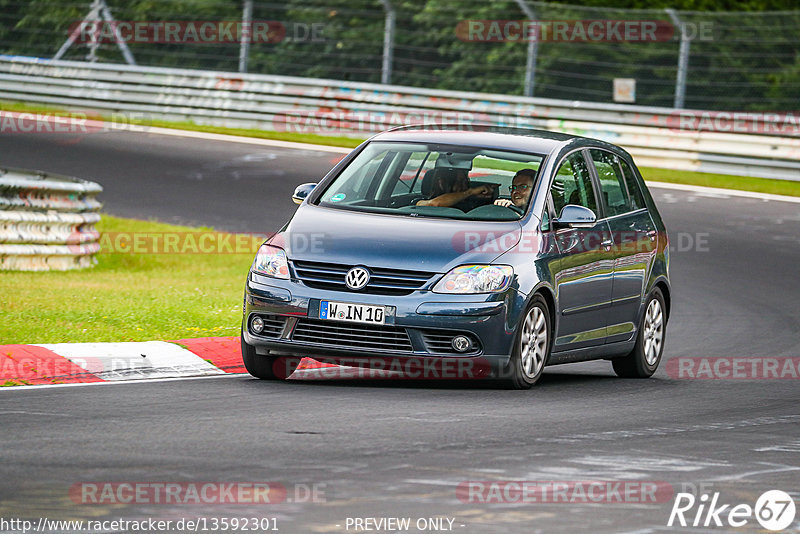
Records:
x=585, y=268
x=635, y=241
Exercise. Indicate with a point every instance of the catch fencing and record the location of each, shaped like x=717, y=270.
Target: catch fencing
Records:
x=717, y=60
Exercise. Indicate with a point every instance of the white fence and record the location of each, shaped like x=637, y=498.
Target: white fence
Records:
x=47, y=222
x=657, y=137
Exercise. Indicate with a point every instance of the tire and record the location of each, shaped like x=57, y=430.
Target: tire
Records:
x=267, y=367
x=643, y=360
x=531, y=347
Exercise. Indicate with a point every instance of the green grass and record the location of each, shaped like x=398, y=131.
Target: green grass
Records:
x=724, y=181
x=128, y=297
x=761, y=185
x=346, y=142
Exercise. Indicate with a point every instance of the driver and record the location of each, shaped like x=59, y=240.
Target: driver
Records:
x=451, y=187
x=521, y=189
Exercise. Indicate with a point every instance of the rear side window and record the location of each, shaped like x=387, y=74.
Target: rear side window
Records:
x=617, y=182
x=634, y=189
x=612, y=182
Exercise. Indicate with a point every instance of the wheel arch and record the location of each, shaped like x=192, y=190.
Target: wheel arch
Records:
x=665, y=292
x=549, y=297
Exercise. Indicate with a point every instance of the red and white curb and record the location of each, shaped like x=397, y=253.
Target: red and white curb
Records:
x=70, y=363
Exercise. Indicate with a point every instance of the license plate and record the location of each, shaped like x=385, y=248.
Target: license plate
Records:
x=353, y=313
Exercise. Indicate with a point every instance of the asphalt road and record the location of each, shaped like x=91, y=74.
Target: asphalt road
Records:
x=389, y=448
x=230, y=186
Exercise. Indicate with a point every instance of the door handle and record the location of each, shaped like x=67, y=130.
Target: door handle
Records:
x=652, y=235
x=607, y=244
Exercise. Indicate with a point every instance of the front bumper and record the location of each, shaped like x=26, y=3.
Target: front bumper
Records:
x=426, y=318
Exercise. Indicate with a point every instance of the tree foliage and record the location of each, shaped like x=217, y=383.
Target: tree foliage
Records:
x=751, y=61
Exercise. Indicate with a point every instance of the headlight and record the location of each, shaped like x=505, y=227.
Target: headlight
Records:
x=476, y=279
x=271, y=261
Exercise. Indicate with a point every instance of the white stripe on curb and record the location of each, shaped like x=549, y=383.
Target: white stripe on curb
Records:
x=134, y=360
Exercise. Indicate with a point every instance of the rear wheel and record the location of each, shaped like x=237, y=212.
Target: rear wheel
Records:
x=532, y=346
x=643, y=360
x=267, y=367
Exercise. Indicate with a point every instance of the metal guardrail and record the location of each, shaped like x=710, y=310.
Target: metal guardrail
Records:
x=653, y=135
x=47, y=221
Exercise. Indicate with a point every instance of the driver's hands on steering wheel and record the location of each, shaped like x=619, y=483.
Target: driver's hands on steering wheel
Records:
x=506, y=203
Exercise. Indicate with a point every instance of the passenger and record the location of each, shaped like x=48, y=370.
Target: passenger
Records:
x=451, y=187
x=521, y=189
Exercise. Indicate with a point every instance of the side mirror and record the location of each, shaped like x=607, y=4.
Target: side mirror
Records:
x=302, y=191
x=573, y=216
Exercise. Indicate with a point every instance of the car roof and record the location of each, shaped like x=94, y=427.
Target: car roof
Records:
x=515, y=139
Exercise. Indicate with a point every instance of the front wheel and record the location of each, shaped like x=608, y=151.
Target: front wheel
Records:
x=643, y=360
x=532, y=346
x=267, y=367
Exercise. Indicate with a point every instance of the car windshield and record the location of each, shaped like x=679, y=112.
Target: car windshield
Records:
x=427, y=180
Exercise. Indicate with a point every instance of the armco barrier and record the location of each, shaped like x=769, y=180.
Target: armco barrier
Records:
x=653, y=135
x=47, y=221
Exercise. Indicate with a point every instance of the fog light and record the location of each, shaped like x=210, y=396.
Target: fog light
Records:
x=461, y=343
x=257, y=324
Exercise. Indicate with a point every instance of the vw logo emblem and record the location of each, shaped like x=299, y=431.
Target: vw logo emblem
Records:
x=356, y=278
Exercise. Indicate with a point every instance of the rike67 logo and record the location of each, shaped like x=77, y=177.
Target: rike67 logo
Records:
x=774, y=510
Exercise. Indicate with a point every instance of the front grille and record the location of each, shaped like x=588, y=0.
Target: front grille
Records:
x=438, y=342
x=381, y=282
x=352, y=336
x=273, y=325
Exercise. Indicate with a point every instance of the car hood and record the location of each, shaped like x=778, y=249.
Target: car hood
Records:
x=395, y=242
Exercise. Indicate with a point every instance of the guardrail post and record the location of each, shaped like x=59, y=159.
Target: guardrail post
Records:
x=247, y=25
x=533, y=50
x=683, y=60
x=388, y=42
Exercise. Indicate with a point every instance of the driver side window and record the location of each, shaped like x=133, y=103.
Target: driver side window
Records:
x=573, y=185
